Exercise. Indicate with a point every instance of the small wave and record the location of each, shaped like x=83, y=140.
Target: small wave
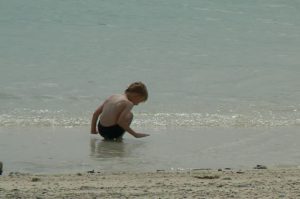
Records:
x=41, y=118
x=47, y=118
x=215, y=120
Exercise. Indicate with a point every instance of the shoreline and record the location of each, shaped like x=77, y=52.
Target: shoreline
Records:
x=197, y=183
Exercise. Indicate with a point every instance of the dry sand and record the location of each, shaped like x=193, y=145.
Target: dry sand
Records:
x=255, y=183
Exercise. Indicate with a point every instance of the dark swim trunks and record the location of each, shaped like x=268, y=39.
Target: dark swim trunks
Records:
x=110, y=132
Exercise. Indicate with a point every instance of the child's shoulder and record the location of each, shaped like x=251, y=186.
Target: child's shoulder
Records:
x=119, y=99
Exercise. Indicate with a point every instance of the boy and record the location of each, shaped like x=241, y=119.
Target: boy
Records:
x=115, y=113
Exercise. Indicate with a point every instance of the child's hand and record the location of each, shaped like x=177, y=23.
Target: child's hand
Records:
x=94, y=132
x=141, y=135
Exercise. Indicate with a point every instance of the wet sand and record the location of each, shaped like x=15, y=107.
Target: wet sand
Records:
x=251, y=183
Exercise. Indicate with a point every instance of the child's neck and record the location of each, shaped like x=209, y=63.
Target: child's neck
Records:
x=128, y=96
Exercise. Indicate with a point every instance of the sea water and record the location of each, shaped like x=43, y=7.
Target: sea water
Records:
x=206, y=63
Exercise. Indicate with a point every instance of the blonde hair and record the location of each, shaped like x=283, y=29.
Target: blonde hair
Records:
x=139, y=88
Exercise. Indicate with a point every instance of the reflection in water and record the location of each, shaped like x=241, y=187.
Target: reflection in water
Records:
x=107, y=149
x=130, y=154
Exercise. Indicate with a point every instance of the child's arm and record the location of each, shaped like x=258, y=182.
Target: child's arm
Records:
x=95, y=119
x=124, y=121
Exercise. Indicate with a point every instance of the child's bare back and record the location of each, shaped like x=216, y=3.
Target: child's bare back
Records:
x=113, y=107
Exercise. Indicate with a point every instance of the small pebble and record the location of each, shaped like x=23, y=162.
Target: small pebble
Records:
x=160, y=170
x=207, y=177
x=35, y=179
x=260, y=167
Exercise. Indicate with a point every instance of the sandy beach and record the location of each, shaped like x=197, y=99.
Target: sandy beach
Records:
x=222, y=183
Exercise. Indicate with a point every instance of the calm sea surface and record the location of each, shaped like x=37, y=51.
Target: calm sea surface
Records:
x=206, y=63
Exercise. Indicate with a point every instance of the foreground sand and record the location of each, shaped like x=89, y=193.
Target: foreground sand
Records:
x=256, y=183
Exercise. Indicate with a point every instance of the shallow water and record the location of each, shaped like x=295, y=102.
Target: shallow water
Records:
x=59, y=150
